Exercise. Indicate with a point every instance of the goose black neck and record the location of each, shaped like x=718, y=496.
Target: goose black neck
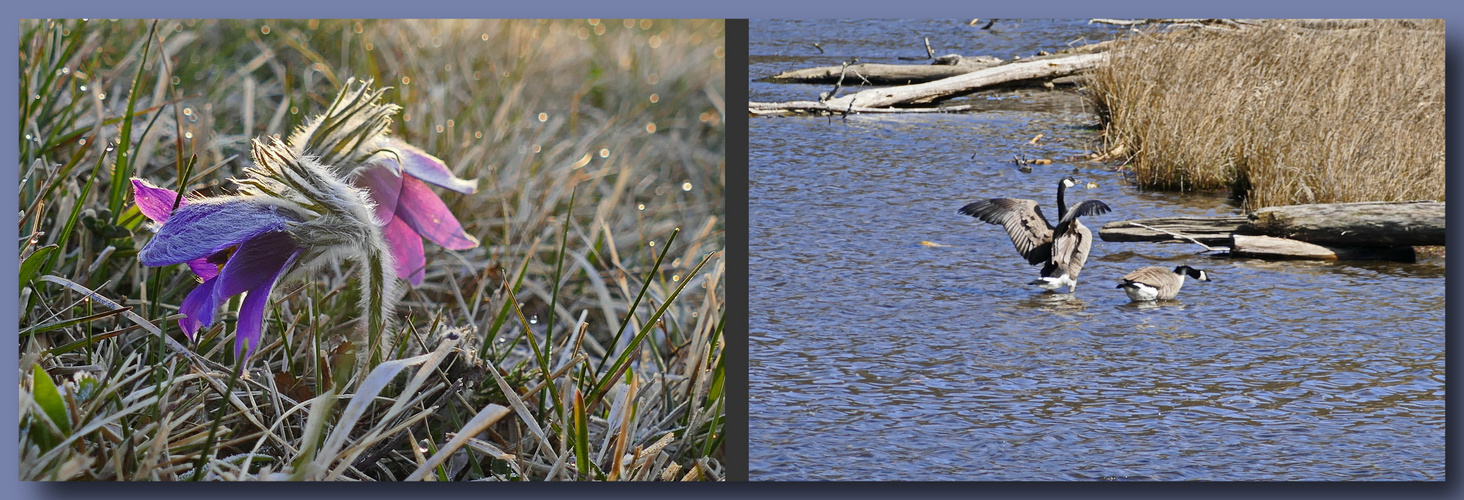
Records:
x=1061, y=199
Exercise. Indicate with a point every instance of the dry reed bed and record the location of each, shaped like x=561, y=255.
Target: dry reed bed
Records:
x=1282, y=113
x=596, y=143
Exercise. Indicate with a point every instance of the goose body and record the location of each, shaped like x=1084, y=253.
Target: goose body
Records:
x=1157, y=283
x=1062, y=250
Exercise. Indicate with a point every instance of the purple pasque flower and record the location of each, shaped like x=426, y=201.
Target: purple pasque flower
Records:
x=290, y=210
x=244, y=238
x=351, y=136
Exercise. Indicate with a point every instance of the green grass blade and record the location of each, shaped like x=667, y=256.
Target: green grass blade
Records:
x=76, y=212
x=581, y=435
x=613, y=373
x=656, y=267
x=49, y=399
x=73, y=321
x=123, y=170
x=33, y=263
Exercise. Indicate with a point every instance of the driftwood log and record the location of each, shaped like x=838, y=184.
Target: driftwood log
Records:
x=878, y=74
x=1207, y=230
x=1347, y=231
x=945, y=66
x=1270, y=247
x=926, y=93
x=1372, y=224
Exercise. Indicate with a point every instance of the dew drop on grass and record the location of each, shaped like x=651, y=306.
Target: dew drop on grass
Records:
x=534, y=320
x=676, y=277
x=83, y=88
x=604, y=153
x=543, y=117
x=686, y=186
x=641, y=206
x=652, y=244
x=188, y=135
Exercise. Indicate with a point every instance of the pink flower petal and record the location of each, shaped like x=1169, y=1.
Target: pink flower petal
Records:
x=406, y=251
x=425, y=213
x=382, y=182
x=154, y=202
x=428, y=168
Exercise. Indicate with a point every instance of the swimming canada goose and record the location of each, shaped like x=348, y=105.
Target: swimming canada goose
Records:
x=1157, y=283
x=1062, y=250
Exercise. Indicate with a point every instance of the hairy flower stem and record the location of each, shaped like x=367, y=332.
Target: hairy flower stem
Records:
x=374, y=292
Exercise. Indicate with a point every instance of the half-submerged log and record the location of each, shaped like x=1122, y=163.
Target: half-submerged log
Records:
x=1270, y=247
x=1331, y=231
x=1369, y=224
x=1206, y=230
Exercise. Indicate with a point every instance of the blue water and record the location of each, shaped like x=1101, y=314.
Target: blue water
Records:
x=875, y=356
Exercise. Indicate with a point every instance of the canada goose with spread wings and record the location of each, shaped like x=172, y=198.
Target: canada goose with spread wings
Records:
x=1062, y=249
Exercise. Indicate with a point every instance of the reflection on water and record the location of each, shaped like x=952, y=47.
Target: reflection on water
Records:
x=876, y=357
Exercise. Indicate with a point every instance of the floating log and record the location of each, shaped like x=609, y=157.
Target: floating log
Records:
x=1369, y=224
x=1270, y=247
x=881, y=74
x=1207, y=230
x=926, y=93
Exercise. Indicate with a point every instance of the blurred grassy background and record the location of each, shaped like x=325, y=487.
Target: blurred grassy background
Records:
x=1288, y=112
x=596, y=142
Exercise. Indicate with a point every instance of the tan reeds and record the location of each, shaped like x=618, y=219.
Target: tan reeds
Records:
x=1287, y=112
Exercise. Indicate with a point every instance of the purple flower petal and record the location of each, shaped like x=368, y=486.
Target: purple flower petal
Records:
x=203, y=268
x=406, y=250
x=383, y=184
x=424, y=166
x=157, y=204
x=204, y=228
x=421, y=209
x=154, y=202
x=254, y=269
x=198, y=308
x=257, y=261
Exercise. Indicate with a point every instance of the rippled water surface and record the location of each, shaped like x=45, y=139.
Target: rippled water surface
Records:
x=874, y=356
